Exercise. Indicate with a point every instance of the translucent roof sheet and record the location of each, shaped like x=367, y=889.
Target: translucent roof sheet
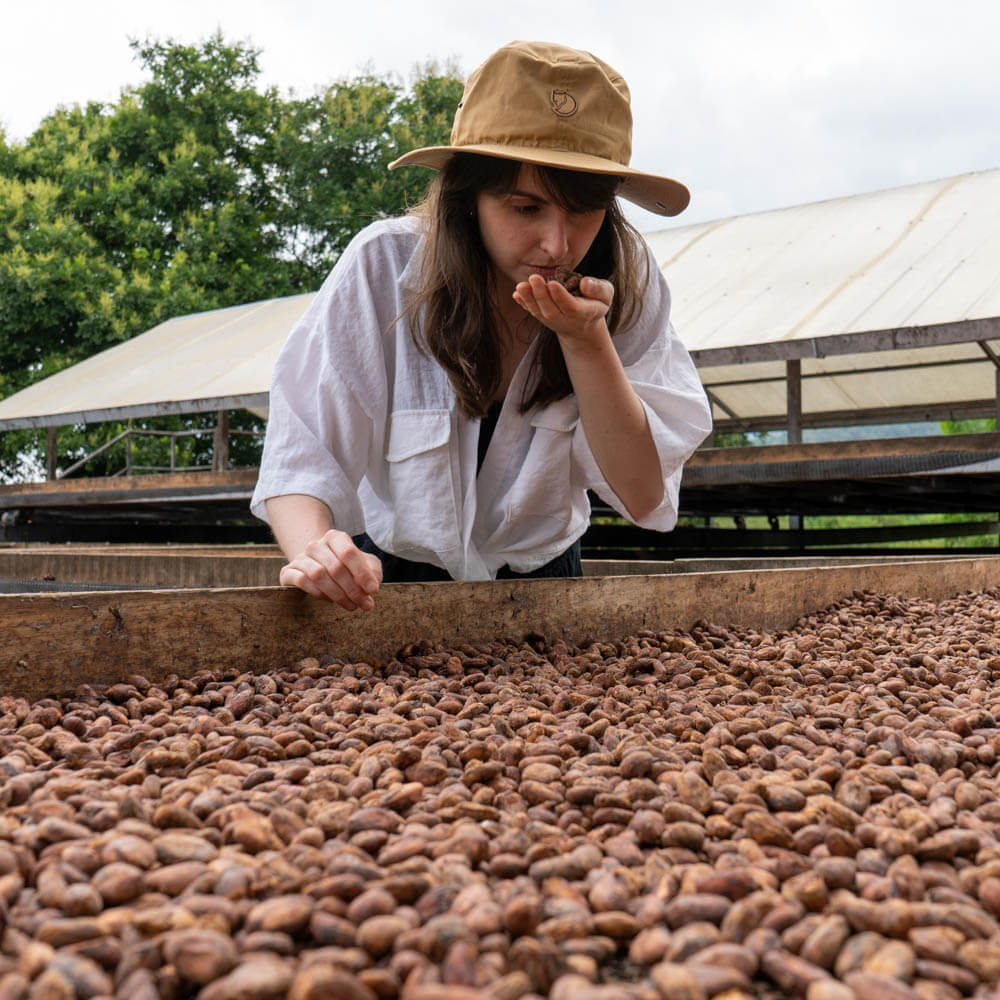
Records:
x=891, y=300
x=220, y=359
x=919, y=256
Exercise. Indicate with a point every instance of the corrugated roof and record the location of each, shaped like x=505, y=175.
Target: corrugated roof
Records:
x=890, y=300
x=214, y=360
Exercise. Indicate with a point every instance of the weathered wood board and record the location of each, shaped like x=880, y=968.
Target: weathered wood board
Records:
x=51, y=643
x=133, y=567
x=144, y=566
x=126, y=489
x=707, y=465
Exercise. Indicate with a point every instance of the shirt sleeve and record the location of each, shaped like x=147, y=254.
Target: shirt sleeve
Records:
x=327, y=395
x=664, y=378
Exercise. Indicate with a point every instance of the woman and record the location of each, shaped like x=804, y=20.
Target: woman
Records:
x=445, y=404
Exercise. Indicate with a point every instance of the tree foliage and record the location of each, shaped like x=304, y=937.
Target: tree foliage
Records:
x=981, y=426
x=198, y=189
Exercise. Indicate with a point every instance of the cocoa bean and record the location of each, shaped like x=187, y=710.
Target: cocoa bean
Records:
x=320, y=981
x=872, y=986
x=200, y=956
x=791, y=973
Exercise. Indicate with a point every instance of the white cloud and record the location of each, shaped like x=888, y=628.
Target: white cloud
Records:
x=753, y=105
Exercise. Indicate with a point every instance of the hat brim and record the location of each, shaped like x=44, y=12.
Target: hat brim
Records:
x=660, y=195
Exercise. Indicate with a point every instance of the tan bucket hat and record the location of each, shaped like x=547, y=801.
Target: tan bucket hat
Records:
x=557, y=107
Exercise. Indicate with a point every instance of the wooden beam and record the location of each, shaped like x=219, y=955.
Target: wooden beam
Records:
x=774, y=376
x=629, y=536
x=220, y=442
x=143, y=566
x=240, y=482
x=793, y=397
x=986, y=443
x=124, y=489
x=247, y=401
x=51, y=452
x=896, y=338
x=917, y=413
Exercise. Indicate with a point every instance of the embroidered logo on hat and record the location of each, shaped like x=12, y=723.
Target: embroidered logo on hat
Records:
x=563, y=103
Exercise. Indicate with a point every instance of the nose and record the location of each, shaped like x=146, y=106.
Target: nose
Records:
x=554, y=239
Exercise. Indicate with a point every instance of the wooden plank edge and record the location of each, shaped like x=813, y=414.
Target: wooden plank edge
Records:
x=179, y=567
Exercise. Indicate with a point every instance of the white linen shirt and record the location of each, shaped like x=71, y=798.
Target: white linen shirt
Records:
x=364, y=421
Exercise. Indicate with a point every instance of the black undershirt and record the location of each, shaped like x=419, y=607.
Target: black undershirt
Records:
x=486, y=428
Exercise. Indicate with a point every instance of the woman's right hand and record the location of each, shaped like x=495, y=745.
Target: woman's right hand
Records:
x=334, y=568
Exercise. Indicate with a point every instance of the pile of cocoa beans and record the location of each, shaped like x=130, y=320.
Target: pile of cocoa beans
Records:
x=686, y=814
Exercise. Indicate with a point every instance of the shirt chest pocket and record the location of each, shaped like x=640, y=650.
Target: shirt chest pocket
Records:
x=421, y=479
x=544, y=487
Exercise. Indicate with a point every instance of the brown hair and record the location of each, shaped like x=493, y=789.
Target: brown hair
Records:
x=453, y=309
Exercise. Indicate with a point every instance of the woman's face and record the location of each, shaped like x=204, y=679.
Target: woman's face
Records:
x=526, y=233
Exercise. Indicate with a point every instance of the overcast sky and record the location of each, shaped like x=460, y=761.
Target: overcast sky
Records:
x=754, y=104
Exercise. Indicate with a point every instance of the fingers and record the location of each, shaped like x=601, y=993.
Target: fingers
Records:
x=549, y=300
x=304, y=577
x=598, y=288
x=334, y=568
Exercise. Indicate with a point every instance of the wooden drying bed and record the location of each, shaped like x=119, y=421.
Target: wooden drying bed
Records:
x=54, y=642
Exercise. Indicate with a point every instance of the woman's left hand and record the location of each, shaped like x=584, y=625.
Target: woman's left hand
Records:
x=573, y=318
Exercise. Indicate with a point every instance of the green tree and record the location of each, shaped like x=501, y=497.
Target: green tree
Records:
x=968, y=426
x=335, y=151
x=196, y=190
